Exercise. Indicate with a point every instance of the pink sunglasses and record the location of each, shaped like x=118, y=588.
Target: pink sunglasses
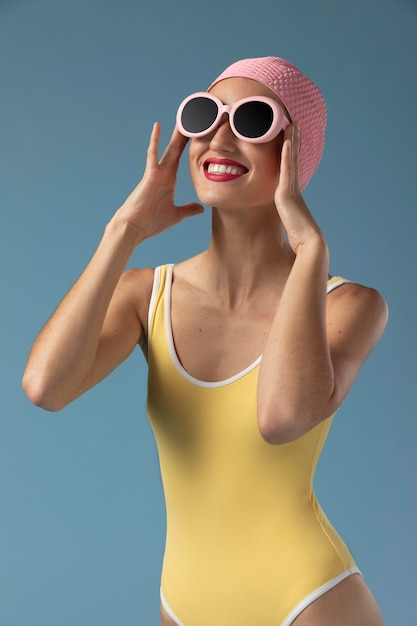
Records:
x=257, y=119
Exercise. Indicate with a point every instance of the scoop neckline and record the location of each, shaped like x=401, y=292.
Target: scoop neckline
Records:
x=332, y=283
x=172, y=350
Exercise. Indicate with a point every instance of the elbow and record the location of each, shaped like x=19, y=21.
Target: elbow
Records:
x=277, y=427
x=282, y=420
x=39, y=393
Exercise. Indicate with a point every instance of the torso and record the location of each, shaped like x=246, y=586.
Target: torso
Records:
x=231, y=339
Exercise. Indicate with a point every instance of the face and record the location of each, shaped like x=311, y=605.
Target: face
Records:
x=228, y=172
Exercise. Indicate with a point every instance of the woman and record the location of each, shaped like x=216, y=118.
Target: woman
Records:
x=238, y=434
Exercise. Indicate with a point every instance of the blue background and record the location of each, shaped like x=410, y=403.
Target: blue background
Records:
x=81, y=507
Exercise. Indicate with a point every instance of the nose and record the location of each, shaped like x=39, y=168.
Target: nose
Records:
x=223, y=136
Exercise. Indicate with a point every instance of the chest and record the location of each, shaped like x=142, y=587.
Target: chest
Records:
x=214, y=342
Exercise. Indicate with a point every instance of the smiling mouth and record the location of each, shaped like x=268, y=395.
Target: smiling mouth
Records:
x=215, y=168
x=223, y=170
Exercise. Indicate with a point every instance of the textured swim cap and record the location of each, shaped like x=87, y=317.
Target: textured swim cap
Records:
x=301, y=97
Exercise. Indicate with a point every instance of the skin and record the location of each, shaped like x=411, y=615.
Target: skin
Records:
x=252, y=282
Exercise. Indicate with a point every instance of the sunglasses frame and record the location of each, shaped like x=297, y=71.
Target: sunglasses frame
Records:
x=279, y=121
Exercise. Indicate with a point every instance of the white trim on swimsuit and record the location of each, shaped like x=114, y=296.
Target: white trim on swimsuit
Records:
x=170, y=339
x=304, y=604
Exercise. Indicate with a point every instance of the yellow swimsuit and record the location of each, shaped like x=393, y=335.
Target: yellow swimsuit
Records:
x=247, y=542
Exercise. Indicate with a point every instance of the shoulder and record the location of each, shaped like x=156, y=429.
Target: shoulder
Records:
x=353, y=295
x=357, y=312
x=137, y=279
x=136, y=285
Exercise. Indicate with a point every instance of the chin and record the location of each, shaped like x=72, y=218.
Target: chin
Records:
x=220, y=195
x=231, y=199
x=220, y=200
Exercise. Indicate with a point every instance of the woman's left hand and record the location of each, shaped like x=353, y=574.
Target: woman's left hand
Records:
x=293, y=211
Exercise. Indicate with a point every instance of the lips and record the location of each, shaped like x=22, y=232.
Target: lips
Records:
x=223, y=170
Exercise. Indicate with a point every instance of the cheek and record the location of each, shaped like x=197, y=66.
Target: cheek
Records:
x=193, y=161
x=269, y=165
x=276, y=151
x=197, y=177
x=275, y=158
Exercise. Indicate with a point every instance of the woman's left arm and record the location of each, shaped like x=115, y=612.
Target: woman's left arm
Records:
x=317, y=344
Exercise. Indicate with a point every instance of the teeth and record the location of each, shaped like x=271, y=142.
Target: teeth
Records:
x=216, y=168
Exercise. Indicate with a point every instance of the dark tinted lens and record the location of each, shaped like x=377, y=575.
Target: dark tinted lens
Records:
x=198, y=114
x=253, y=119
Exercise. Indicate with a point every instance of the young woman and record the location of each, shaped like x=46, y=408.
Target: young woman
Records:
x=251, y=346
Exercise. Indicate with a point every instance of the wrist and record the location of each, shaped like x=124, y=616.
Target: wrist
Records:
x=314, y=254
x=120, y=227
x=315, y=244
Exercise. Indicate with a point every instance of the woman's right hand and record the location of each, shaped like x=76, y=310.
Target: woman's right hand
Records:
x=150, y=208
x=102, y=317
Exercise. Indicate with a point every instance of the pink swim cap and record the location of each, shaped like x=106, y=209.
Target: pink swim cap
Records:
x=302, y=98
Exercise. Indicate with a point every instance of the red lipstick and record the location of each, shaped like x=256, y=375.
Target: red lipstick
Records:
x=223, y=170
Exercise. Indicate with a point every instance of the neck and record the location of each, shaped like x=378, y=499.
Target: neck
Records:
x=245, y=251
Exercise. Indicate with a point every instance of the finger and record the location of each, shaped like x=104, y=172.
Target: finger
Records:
x=285, y=167
x=153, y=147
x=189, y=210
x=175, y=147
x=295, y=152
x=298, y=138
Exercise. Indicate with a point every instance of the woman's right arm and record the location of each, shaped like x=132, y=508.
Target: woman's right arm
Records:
x=101, y=319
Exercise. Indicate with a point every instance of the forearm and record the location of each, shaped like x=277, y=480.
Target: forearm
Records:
x=64, y=352
x=74, y=350
x=296, y=377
